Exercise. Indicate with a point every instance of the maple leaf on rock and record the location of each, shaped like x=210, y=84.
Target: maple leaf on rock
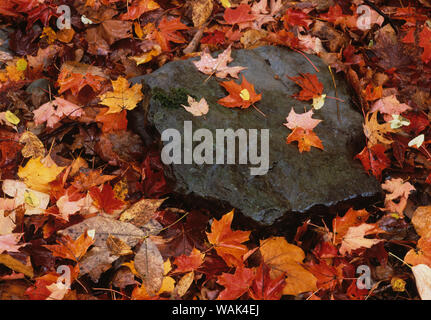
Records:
x=122, y=97
x=302, y=120
x=240, y=95
x=235, y=284
x=355, y=238
x=209, y=65
x=228, y=243
x=310, y=84
x=305, y=138
x=302, y=126
x=196, y=108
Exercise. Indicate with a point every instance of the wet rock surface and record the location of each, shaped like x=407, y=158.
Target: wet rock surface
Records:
x=294, y=182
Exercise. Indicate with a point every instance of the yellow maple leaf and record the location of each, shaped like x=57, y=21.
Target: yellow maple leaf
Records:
x=37, y=175
x=122, y=97
x=285, y=258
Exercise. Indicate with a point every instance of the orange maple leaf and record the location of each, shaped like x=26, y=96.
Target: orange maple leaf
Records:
x=138, y=8
x=240, y=95
x=189, y=263
x=68, y=248
x=167, y=31
x=352, y=218
x=306, y=139
x=74, y=76
x=227, y=242
x=310, y=84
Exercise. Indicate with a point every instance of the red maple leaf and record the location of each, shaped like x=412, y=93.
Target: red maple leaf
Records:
x=238, y=15
x=265, y=288
x=310, y=84
x=240, y=95
x=106, y=199
x=425, y=43
x=295, y=17
x=188, y=263
x=214, y=38
x=235, y=284
x=328, y=277
x=374, y=159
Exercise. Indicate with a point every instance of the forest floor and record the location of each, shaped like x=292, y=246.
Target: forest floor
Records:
x=82, y=214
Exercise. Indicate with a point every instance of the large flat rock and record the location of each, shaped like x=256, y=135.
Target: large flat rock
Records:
x=295, y=181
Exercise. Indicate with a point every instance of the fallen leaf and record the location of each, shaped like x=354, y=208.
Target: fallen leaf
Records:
x=235, y=284
x=305, y=138
x=265, y=288
x=285, y=258
x=422, y=274
x=302, y=120
x=37, y=175
x=196, y=108
x=240, y=95
x=122, y=97
x=218, y=66
x=355, y=238
x=228, y=243
x=9, y=242
x=310, y=84
x=191, y=262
